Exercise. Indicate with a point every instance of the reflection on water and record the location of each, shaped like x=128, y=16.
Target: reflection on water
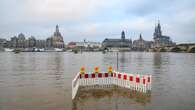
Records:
x=122, y=61
x=113, y=98
x=42, y=81
x=157, y=60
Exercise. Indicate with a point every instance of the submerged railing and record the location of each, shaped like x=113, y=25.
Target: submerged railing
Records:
x=137, y=82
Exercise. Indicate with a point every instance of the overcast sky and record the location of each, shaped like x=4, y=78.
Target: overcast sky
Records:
x=98, y=19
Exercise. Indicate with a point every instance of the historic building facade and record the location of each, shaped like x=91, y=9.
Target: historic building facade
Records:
x=22, y=42
x=14, y=42
x=31, y=42
x=40, y=44
x=56, y=41
x=18, y=42
x=141, y=44
x=159, y=39
x=117, y=43
x=85, y=45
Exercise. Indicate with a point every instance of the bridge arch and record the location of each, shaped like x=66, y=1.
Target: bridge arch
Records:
x=191, y=49
x=176, y=49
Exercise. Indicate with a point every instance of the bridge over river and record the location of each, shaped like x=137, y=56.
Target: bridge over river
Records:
x=188, y=48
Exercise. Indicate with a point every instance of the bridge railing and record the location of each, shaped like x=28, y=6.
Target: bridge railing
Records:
x=137, y=82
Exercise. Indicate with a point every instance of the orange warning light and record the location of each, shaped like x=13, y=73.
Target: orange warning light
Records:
x=82, y=70
x=96, y=70
x=110, y=69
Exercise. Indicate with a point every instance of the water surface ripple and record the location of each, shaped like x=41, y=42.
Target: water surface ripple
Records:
x=42, y=81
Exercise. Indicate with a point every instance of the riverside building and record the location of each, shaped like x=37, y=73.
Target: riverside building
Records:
x=117, y=43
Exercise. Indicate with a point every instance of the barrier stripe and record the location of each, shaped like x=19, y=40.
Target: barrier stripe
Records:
x=100, y=75
x=93, y=75
x=131, y=78
x=144, y=80
x=136, y=82
x=137, y=79
x=119, y=76
x=106, y=75
x=125, y=77
x=86, y=76
x=148, y=79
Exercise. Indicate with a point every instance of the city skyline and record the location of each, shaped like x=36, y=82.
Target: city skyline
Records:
x=95, y=20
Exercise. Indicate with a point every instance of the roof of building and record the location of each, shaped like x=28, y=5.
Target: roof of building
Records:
x=165, y=37
x=116, y=40
x=72, y=43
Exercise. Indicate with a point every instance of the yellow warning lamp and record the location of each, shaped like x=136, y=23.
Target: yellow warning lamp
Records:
x=82, y=70
x=96, y=70
x=110, y=69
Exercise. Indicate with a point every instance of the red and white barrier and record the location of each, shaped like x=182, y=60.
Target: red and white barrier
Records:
x=141, y=83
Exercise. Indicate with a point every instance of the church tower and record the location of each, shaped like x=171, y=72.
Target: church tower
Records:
x=157, y=31
x=57, y=29
x=57, y=39
x=57, y=32
x=140, y=37
x=123, y=35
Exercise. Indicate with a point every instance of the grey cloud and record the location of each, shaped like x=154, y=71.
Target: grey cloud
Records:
x=97, y=19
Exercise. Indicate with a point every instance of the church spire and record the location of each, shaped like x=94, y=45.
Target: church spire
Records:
x=159, y=27
x=57, y=28
x=158, y=32
x=140, y=36
x=57, y=32
x=123, y=35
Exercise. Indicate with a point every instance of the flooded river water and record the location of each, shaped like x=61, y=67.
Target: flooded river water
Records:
x=42, y=81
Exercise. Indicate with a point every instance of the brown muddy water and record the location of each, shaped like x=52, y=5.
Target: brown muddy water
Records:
x=42, y=81
x=111, y=98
